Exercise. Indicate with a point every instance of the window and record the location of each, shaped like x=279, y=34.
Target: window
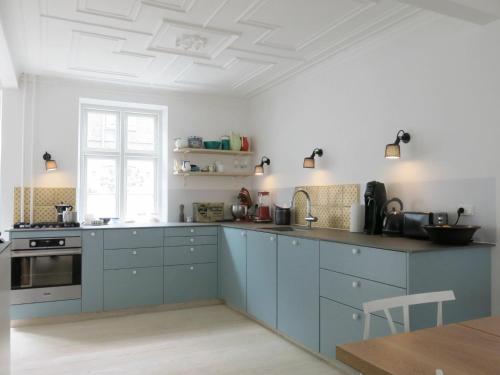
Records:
x=120, y=162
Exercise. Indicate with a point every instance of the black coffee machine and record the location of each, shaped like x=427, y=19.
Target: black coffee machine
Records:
x=375, y=198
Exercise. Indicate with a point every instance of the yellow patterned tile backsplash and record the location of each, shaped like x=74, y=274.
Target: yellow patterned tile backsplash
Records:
x=331, y=204
x=44, y=200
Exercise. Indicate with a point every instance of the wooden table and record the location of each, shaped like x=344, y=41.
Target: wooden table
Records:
x=468, y=348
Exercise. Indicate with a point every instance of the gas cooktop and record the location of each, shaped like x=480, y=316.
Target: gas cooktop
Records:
x=45, y=225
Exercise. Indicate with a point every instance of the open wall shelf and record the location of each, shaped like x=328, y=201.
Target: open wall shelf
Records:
x=207, y=151
x=214, y=174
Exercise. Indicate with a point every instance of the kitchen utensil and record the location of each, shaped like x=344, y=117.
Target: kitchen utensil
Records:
x=239, y=211
x=282, y=215
x=393, y=220
x=413, y=223
x=181, y=213
x=225, y=142
x=375, y=198
x=195, y=142
x=440, y=218
x=186, y=166
x=105, y=220
x=263, y=207
x=235, y=142
x=212, y=145
x=245, y=144
x=357, y=217
x=451, y=234
x=181, y=142
x=219, y=166
x=70, y=216
x=60, y=208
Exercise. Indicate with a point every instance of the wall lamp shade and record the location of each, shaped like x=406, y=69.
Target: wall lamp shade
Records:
x=259, y=168
x=309, y=160
x=50, y=165
x=393, y=150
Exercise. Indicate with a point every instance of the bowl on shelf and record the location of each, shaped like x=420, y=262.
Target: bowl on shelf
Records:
x=212, y=145
x=451, y=234
x=195, y=142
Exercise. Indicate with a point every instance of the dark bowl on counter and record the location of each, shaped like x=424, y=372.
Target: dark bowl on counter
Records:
x=451, y=234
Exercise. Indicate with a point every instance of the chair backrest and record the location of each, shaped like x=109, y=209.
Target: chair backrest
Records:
x=404, y=302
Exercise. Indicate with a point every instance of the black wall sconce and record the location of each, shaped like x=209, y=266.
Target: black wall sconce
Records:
x=259, y=168
x=309, y=161
x=50, y=165
x=392, y=150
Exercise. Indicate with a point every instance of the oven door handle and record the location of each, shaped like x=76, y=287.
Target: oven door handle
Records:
x=43, y=253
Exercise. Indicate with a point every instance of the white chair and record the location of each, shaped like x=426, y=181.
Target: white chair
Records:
x=404, y=302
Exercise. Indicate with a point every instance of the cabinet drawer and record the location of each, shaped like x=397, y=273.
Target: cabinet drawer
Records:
x=133, y=287
x=341, y=324
x=130, y=258
x=193, y=240
x=190, y=254
x=191, y=231
x=353, y=291
x=133, y=238
x=196, y=282
x=385, y=266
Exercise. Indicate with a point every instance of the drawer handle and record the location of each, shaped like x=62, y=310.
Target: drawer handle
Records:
x=355, y=316
x=191, y=249
x=356, y=284
x=295, y=242
x=134, y=252
x=134, y=272
x=134, y=232
x=192, y=230
x=272, y=238
x=92, y=234
x=191, y=268
x=356, y=252
x=191, y=240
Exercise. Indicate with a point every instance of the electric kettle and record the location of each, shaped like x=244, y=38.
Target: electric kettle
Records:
x=393, y=220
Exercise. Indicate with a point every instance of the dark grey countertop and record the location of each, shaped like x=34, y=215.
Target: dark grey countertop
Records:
x=323, y=234
x=356, y=239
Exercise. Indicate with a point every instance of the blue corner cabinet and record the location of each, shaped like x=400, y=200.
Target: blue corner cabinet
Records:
x=262, y=258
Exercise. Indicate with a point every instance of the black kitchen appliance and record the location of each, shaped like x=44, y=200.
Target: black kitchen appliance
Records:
x=414, y=222
x=282, y=215
x=375, y=199
x=393, y=219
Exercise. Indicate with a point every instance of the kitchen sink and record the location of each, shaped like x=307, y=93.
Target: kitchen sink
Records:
x=283, y=229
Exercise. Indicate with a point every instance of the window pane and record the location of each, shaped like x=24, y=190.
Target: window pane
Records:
x=141, y=134
x=101, y=187
x=101, y=130
x=141, y=182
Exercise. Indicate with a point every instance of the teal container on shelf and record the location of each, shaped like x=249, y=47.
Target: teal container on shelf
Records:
x=225, y=143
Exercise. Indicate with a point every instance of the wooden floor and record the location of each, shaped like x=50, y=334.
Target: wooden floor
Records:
x=205, y=340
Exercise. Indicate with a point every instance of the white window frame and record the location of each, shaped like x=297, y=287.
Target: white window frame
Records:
x=121, y=154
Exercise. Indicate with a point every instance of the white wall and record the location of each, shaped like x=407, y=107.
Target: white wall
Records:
x=441, y=83
x=55, y=130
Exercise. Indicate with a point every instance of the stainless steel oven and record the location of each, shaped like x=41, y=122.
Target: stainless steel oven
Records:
x=46, y=269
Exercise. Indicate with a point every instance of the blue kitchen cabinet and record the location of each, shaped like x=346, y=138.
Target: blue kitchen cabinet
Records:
x=233, y=267
x=92, y=270
x=262, y=276
x=298, y=290
x=189, y=283
x=126, y=288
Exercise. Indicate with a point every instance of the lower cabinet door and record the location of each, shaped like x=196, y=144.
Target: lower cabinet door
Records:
x=136, y=287
x=194, y=282
x=341, y=324
x=261, y=276
x=298, y=290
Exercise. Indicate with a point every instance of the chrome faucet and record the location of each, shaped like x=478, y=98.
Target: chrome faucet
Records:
x=309, y=217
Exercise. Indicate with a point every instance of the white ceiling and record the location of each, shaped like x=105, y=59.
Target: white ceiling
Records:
x=237, y=47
